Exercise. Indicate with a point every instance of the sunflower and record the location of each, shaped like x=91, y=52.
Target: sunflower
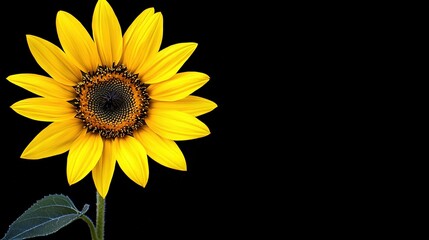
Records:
x=112, y=98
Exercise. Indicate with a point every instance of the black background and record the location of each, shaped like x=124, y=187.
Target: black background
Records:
x=301, y=143
x=218, y=195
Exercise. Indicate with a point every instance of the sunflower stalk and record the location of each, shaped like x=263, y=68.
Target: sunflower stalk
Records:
x=101, y=205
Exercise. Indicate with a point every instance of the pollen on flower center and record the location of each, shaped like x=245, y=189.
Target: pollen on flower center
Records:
x=111, y=101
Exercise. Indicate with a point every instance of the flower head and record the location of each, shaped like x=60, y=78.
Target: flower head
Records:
x=112, y=97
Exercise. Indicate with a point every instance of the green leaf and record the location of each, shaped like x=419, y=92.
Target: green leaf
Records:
x=44, y=217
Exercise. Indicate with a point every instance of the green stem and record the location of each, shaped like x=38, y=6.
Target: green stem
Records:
x=101, y=205
x=91, y=226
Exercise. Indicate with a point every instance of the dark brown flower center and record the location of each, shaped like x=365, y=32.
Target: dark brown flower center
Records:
x=111, y=101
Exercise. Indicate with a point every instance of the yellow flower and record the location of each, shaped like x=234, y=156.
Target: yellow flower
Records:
x=112, y=97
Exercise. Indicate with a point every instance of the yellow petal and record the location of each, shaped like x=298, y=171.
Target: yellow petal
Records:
x=167, y=62
x=132, y=159
x=141, y=19
x=107, y=33
x=144, y=41
x=178, y=87
x=76, y=42
x=45, y=109
x=193, y=105
x=42, y=86
x=102, y=174
x=84, y=154
x=55, y=139
x=176, y=125
x=162, y=150
x=54, y=61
